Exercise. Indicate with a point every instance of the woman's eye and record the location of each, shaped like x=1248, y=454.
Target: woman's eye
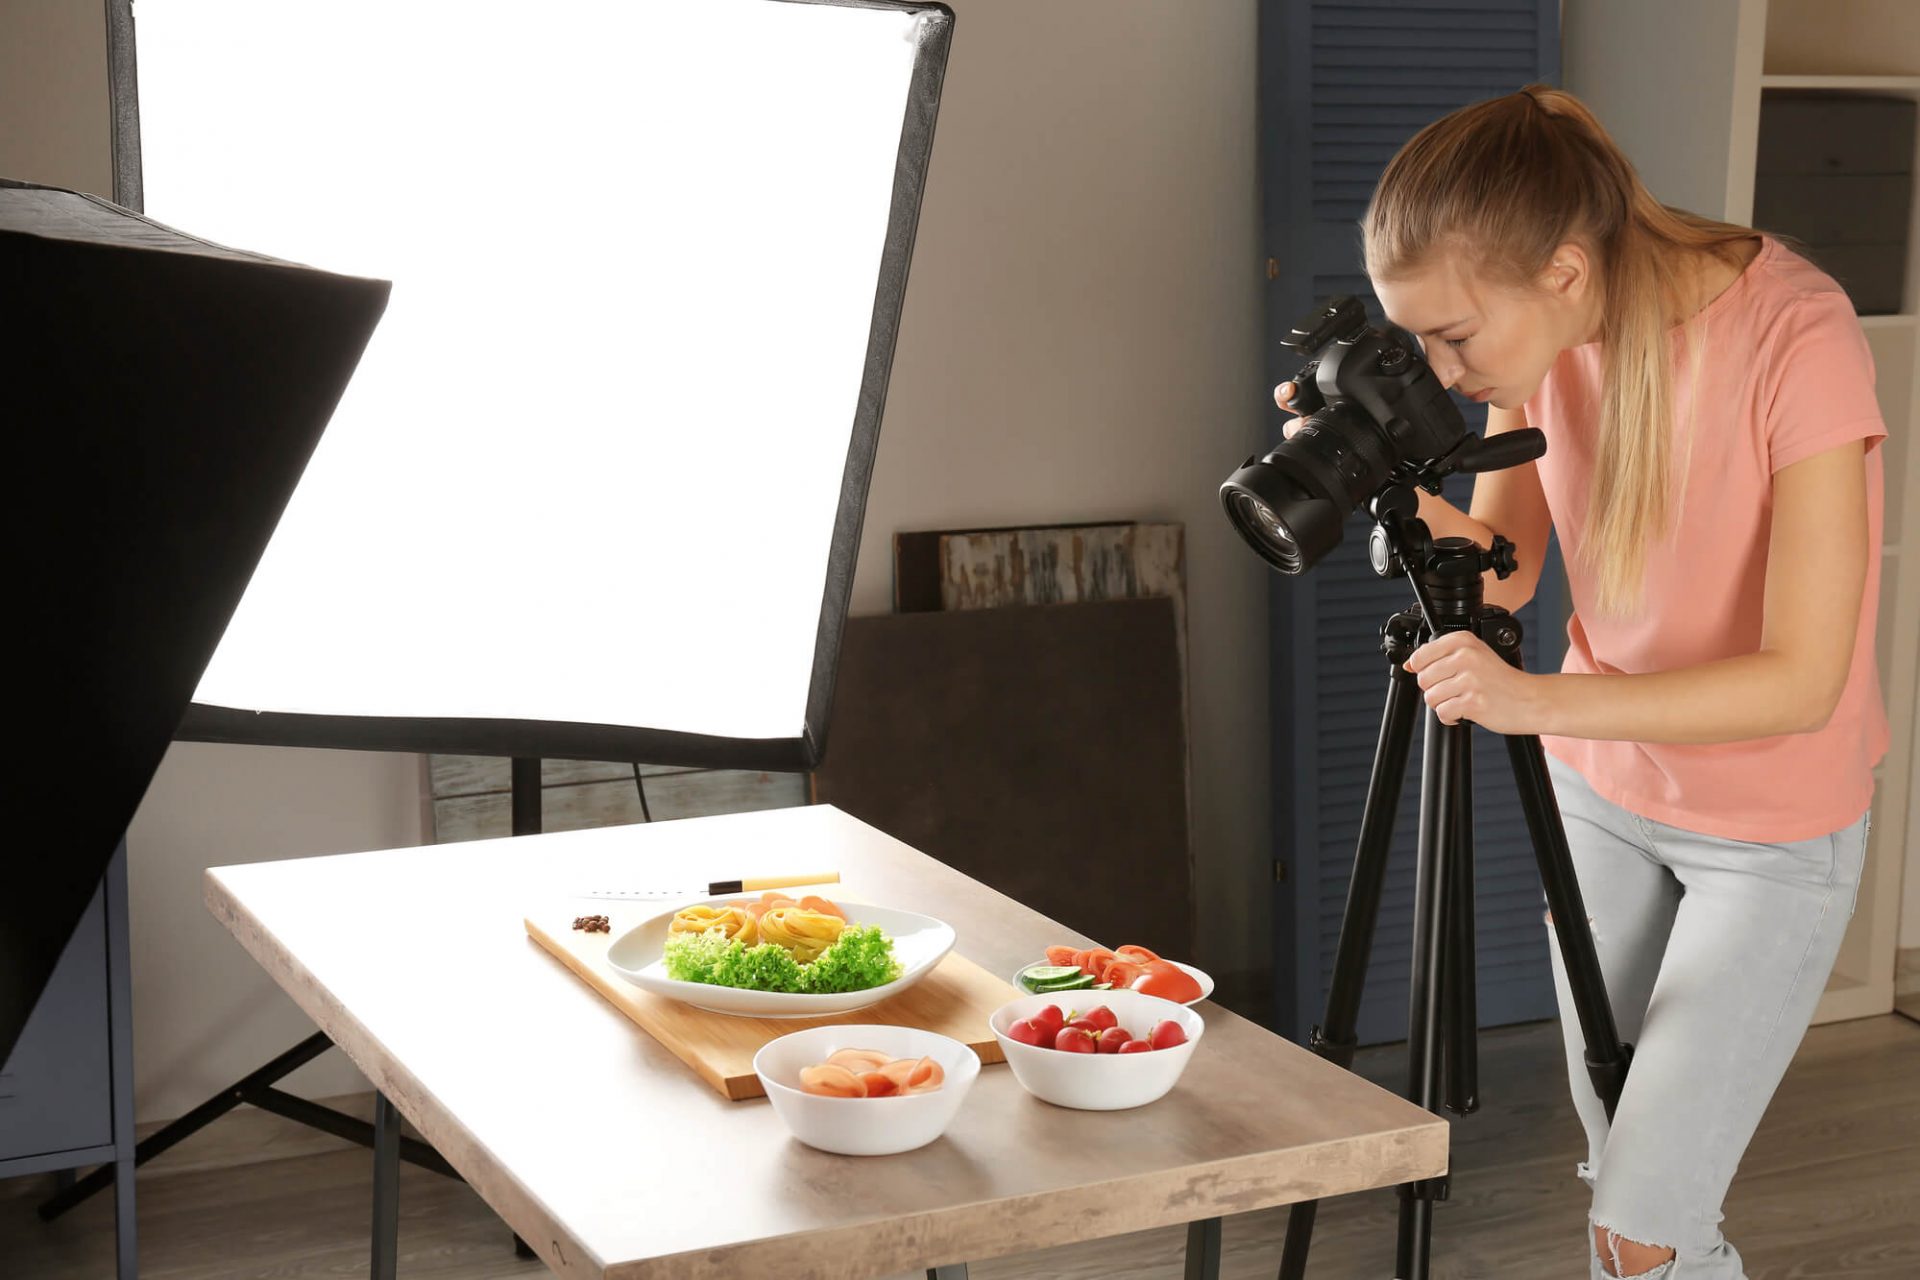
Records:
x=1456, y=343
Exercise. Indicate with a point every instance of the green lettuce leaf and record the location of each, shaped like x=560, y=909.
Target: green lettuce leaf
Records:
x=861, y=958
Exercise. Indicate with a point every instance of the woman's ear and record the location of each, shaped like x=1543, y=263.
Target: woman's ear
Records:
x=1569, y=273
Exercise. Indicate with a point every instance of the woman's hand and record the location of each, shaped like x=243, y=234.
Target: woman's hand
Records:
x=1462, y=679
x=1283, y=396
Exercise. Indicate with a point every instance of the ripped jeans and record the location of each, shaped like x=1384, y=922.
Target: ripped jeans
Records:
x=1715, y=952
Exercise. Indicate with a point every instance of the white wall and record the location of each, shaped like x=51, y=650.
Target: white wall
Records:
x=204, y=1014
x=53, y=95
x=1081, y=341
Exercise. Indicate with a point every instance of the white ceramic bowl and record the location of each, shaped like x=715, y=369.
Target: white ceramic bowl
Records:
x=1099, y=1081
x=865, y=1126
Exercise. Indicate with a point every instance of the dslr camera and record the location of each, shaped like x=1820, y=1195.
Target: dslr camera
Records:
x=1376, y=418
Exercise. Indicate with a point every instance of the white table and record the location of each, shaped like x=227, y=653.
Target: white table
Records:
x=611, y=1158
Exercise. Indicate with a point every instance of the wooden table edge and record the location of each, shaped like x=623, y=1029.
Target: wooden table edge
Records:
x=1098, y=1211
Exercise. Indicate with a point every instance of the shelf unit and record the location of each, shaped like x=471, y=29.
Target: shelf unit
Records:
x=1679, y=87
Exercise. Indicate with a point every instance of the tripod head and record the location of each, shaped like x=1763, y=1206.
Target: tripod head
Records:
x=1444, y=572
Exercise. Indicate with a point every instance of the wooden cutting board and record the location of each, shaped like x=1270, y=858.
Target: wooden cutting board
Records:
x=956, y=1000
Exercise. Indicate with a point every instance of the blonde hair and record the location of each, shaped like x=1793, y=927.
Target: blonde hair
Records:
x=1501, y=184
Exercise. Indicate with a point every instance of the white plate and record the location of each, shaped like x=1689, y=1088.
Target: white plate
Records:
x=1200, y=976
x=918, y=944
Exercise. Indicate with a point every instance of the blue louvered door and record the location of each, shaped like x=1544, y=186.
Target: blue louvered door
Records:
x=1343, y=84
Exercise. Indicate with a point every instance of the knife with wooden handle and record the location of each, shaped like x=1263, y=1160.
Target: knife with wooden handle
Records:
x=716, y=888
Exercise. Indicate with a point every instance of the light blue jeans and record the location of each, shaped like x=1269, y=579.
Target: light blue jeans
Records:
x=1715, y=952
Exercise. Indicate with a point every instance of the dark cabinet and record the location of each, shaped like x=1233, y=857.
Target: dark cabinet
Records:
x=66, y=1091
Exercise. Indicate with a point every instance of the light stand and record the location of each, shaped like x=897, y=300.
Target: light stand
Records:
x=1445, y=574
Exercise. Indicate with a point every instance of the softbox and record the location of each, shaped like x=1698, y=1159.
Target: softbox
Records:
x=162, y=395
x=597, y=489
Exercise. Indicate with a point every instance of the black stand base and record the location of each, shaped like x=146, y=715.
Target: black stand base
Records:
x=258, y=1090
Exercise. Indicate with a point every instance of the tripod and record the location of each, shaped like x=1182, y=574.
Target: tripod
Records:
x=1446, y=577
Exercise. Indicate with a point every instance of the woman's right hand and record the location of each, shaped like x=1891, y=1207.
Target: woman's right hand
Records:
x=1283, y=396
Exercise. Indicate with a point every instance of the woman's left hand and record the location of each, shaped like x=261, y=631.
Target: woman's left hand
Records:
x=1462, y=679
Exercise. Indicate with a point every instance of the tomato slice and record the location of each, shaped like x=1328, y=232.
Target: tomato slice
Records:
x=1062, y=956
x=1122, y=973
x=1137, y=954
x=1167, y=981
x=1094, y=960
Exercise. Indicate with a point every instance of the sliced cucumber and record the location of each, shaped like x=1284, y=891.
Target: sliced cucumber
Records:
x=1044, y=978
x=1079, y=982
x=1050, y=972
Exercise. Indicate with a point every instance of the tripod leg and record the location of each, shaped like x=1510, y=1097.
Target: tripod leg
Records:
x=1462, y=1011
x=1334, y=1039
x=1607, y=1058
x=1439, y=792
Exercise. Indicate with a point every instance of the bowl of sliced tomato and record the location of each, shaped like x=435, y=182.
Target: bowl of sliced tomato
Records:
x=871, y=1090
x=1067, y=968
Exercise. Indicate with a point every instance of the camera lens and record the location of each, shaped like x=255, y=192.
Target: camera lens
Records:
x=1289, y=505
x=1288, y=526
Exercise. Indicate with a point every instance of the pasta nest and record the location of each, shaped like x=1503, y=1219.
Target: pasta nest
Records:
x=731, y=923
x=804, y=932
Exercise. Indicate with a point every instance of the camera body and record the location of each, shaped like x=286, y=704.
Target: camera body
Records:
x=1375, y=414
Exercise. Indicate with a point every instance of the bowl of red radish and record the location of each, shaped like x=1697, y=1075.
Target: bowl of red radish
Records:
x=1097, y=1050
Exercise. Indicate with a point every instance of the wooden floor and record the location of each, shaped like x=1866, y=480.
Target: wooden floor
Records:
x=1830, y=1188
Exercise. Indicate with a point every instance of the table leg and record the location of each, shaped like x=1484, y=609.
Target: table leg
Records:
x=1203, y=1250
x=952, y=1271
x=386, y=1188
x=127, y=1265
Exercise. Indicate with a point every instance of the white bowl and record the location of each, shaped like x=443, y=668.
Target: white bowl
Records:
x=865, y=1126
x=919, y=942
x=1099, y=1081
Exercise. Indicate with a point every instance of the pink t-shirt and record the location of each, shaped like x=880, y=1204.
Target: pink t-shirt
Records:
x=1786, y=373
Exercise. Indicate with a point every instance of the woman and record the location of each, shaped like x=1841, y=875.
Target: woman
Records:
x=1707, y=399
